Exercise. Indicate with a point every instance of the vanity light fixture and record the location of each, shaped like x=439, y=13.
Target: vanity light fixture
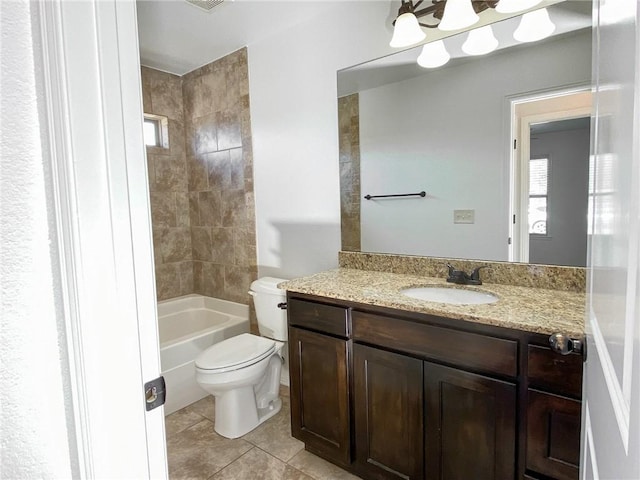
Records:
x=407, y=31
x=480, y=41
x=445, y=15
x=434, y=54
x=514, y=6
x=534, y=26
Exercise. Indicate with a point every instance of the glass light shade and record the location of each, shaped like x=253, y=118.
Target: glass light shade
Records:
x=534, y=26
x=480, y=41
x=406, y=32
x=433, y=55
x=513, y=6
x=458, y=14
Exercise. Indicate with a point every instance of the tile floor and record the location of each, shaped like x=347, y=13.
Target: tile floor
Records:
x=269, y=452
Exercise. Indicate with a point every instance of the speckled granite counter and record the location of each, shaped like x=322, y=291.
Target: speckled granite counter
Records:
x=536, y=310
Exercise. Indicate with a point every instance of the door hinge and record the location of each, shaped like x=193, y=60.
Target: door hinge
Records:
x=514, y=219
x=155, y=393
x=514, y=143
x=509, y=241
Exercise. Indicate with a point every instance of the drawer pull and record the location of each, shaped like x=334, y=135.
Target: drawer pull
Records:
x=564, y=345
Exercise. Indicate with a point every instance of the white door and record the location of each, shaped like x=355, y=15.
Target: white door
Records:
x=94, y=112
x=611, y=407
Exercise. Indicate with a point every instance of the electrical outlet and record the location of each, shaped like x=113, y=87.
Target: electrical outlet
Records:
x=464, y=216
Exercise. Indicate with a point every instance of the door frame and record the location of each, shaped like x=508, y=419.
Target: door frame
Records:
x=92, y=111
x=526, y=110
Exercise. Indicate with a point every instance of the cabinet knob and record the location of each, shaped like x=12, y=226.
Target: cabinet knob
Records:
x=564, y=345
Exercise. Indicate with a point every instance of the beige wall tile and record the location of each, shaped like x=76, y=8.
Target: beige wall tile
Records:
x=222, y=245
x=201, y=243
x=167, y=281
x=205, y=134
x=177, y=245
x=197, y=174
x=170, y=174
x=163, y=209
x=245, y=247
x=229, y=129
x=183, y=214
x=234, y=211
x=219, y=167
x=185, y=271
x=209, y=203
x=237, y=281
x=213, y=280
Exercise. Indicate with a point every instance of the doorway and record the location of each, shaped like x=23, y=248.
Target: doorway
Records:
x=549, y=178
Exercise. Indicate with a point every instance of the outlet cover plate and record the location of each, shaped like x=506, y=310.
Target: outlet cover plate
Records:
x=464, y=216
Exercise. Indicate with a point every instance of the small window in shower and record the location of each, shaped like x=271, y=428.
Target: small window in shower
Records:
x=156, y=131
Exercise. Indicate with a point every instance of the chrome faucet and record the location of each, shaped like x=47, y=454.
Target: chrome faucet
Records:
x=462, y=278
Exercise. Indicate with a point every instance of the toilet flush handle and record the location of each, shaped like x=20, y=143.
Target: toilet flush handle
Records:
x=282, y=305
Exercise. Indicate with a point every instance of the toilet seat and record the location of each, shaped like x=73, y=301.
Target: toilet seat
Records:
x=235, y=353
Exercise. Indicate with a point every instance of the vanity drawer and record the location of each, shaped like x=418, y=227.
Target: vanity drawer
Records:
x=318, y=316
x=550, y=370
x=465, y=349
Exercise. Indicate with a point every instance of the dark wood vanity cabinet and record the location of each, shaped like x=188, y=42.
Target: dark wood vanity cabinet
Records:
x=554, y=389
x=399, y=395
x=388, y=410
x=470, y=425
x=319, y=366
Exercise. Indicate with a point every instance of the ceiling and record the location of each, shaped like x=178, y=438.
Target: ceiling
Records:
x=177, y=37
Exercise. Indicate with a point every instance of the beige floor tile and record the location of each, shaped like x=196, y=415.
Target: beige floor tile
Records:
x=198, y=452
x=181, y=420
x=318, y=468
x=259, y=465
x=205, y=407
x=274, y=436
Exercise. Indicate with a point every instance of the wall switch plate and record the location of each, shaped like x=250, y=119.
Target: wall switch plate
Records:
x=464, y=216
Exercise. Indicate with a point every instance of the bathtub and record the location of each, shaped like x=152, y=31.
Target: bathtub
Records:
x=188, y=325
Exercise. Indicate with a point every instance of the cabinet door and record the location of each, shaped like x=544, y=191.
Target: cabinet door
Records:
x=469, y=425
x=553, y=435
x=388, y=405
x=320, y=393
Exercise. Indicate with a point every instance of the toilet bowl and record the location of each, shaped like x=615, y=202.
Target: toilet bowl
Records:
x=243, y=372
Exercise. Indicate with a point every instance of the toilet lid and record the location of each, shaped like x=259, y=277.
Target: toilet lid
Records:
x=235, y=352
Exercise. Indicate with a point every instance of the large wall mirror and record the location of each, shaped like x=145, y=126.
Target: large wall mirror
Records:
x=450, y=131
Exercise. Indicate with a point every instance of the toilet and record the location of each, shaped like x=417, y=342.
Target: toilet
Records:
x=243, y=372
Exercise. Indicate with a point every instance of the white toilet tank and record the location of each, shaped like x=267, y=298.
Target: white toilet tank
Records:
x=272, y=321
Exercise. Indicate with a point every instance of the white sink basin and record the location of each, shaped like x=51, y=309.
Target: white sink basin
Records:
x=455, y=296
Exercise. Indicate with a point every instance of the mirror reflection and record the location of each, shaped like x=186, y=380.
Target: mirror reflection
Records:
x=450, y=132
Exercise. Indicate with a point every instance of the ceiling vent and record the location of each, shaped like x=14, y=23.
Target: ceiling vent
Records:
x=206, y=5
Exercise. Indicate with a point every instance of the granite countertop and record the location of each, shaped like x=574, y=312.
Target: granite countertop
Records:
x=535, y=310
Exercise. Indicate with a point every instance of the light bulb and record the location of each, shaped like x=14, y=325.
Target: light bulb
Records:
x=513, y=6
x=406, y=31
x=433, y=55
x=480, y=41
x=458, y=14
x=534, y=26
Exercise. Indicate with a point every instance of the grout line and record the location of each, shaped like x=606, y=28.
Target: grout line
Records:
x=229, y=464
x=188, y=426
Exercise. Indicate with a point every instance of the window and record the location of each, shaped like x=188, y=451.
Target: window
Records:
x=156, y=131
x=538, y=195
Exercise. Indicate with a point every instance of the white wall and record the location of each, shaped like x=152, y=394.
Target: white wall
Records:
x=294, y=122
x=36, y=427
x=449, y=136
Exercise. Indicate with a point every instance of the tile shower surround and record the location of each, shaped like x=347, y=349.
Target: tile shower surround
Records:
x=201, y=189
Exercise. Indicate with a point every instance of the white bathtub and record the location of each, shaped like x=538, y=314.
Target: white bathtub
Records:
x=188, y=325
